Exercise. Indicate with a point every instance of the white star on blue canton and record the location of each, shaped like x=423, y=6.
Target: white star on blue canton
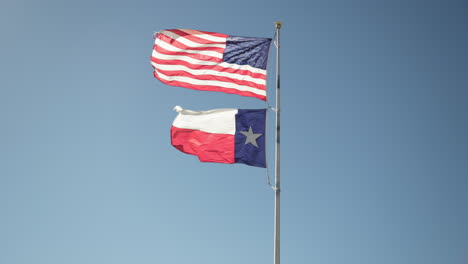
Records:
x=251, y=137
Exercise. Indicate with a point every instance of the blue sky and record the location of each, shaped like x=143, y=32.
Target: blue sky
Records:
x=374, y=146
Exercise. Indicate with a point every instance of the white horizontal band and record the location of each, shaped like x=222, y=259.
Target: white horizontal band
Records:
x=219, y=121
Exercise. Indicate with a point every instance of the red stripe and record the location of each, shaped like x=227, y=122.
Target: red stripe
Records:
x=209, y=77
x=194, y=38
x=197, y=32
x=197, y=56
x=210, y=88
x=180, y=45
x=208, y=147
x=209, y=67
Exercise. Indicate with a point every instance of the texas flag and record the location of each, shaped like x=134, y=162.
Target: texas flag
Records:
x=221, y=135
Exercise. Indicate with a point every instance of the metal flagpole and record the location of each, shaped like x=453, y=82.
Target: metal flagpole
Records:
x=277, y=150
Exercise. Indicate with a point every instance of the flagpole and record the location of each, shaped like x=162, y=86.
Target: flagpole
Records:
x=277, y=150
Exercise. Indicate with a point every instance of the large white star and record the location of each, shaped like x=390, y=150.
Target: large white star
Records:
x=251, y=137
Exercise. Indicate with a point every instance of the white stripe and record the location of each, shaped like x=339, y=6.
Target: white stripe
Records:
x=201, y=62
x=190, y=43
x=202, y=35
x=219, y=121
x=212, y=83
x=169, y=47
x=240, y=77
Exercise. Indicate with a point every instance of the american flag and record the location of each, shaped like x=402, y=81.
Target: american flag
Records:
x=209, y=61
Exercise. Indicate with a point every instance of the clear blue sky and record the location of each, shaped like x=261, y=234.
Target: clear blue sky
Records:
x=374, y=136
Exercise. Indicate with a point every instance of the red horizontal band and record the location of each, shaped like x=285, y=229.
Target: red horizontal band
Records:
x=208, y=147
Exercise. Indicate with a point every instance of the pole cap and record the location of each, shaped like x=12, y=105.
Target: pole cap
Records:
x=278, y=24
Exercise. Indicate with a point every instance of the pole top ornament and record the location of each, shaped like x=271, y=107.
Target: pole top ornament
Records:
x=278, y=24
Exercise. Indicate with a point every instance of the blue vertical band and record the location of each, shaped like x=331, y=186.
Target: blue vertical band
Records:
x=246, y=152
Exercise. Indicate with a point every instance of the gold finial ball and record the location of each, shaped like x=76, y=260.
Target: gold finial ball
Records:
x=278, y=24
